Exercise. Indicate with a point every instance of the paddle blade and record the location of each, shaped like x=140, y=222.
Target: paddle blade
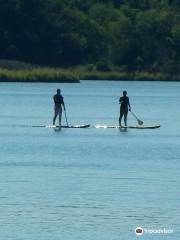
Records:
x=140, y=122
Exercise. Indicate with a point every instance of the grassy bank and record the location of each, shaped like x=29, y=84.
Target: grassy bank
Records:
x=137, y=76
x=74, y=76
x=38, y=75
x=14, y=71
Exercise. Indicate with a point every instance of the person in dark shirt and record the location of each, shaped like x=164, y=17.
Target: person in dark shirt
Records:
x=124, y=104
x=58, y=103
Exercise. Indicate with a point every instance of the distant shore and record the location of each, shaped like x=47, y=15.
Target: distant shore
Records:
x=48, y=75
x=52, y=75
x=126, y=76
x=14, y=71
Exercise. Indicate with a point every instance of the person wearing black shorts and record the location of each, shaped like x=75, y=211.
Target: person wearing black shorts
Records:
x=58, y=103
x=124, y=105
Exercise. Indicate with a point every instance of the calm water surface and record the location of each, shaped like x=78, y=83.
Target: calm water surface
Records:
x=89, y=184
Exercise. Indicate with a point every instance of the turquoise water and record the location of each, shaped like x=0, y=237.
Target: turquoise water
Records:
x=89, y=184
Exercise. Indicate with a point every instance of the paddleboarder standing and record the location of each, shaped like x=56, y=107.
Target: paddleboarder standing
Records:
x=124, y=105
x=58, y=103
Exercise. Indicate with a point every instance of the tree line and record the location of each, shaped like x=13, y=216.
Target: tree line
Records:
x=125, y=35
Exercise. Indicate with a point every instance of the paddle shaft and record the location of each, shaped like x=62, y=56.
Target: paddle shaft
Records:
x=139, y=121
x=134, y=115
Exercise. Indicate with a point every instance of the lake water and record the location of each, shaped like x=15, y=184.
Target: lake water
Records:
x=89, y=184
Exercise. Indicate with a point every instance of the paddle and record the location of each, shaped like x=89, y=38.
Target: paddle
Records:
x=66, y=118
x=138, y=120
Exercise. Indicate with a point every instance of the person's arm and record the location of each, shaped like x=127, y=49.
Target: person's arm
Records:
x=129, y=105
x=63, y=104
x=120, y=100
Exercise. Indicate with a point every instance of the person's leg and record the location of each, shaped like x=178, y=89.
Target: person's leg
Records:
x=55, y=114
x=120, y=117
x=54, y=119
x=59, y=119
x=60, y=116
x=125, y=118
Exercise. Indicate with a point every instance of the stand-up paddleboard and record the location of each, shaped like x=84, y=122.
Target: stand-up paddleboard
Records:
x=63, y=126
x=124, y=127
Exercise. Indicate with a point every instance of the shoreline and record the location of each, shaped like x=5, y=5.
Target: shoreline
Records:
x=38, y=81
x=128, y=76
x=53, y=75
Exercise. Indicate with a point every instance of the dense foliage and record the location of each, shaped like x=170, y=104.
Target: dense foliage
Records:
x=123, y=35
